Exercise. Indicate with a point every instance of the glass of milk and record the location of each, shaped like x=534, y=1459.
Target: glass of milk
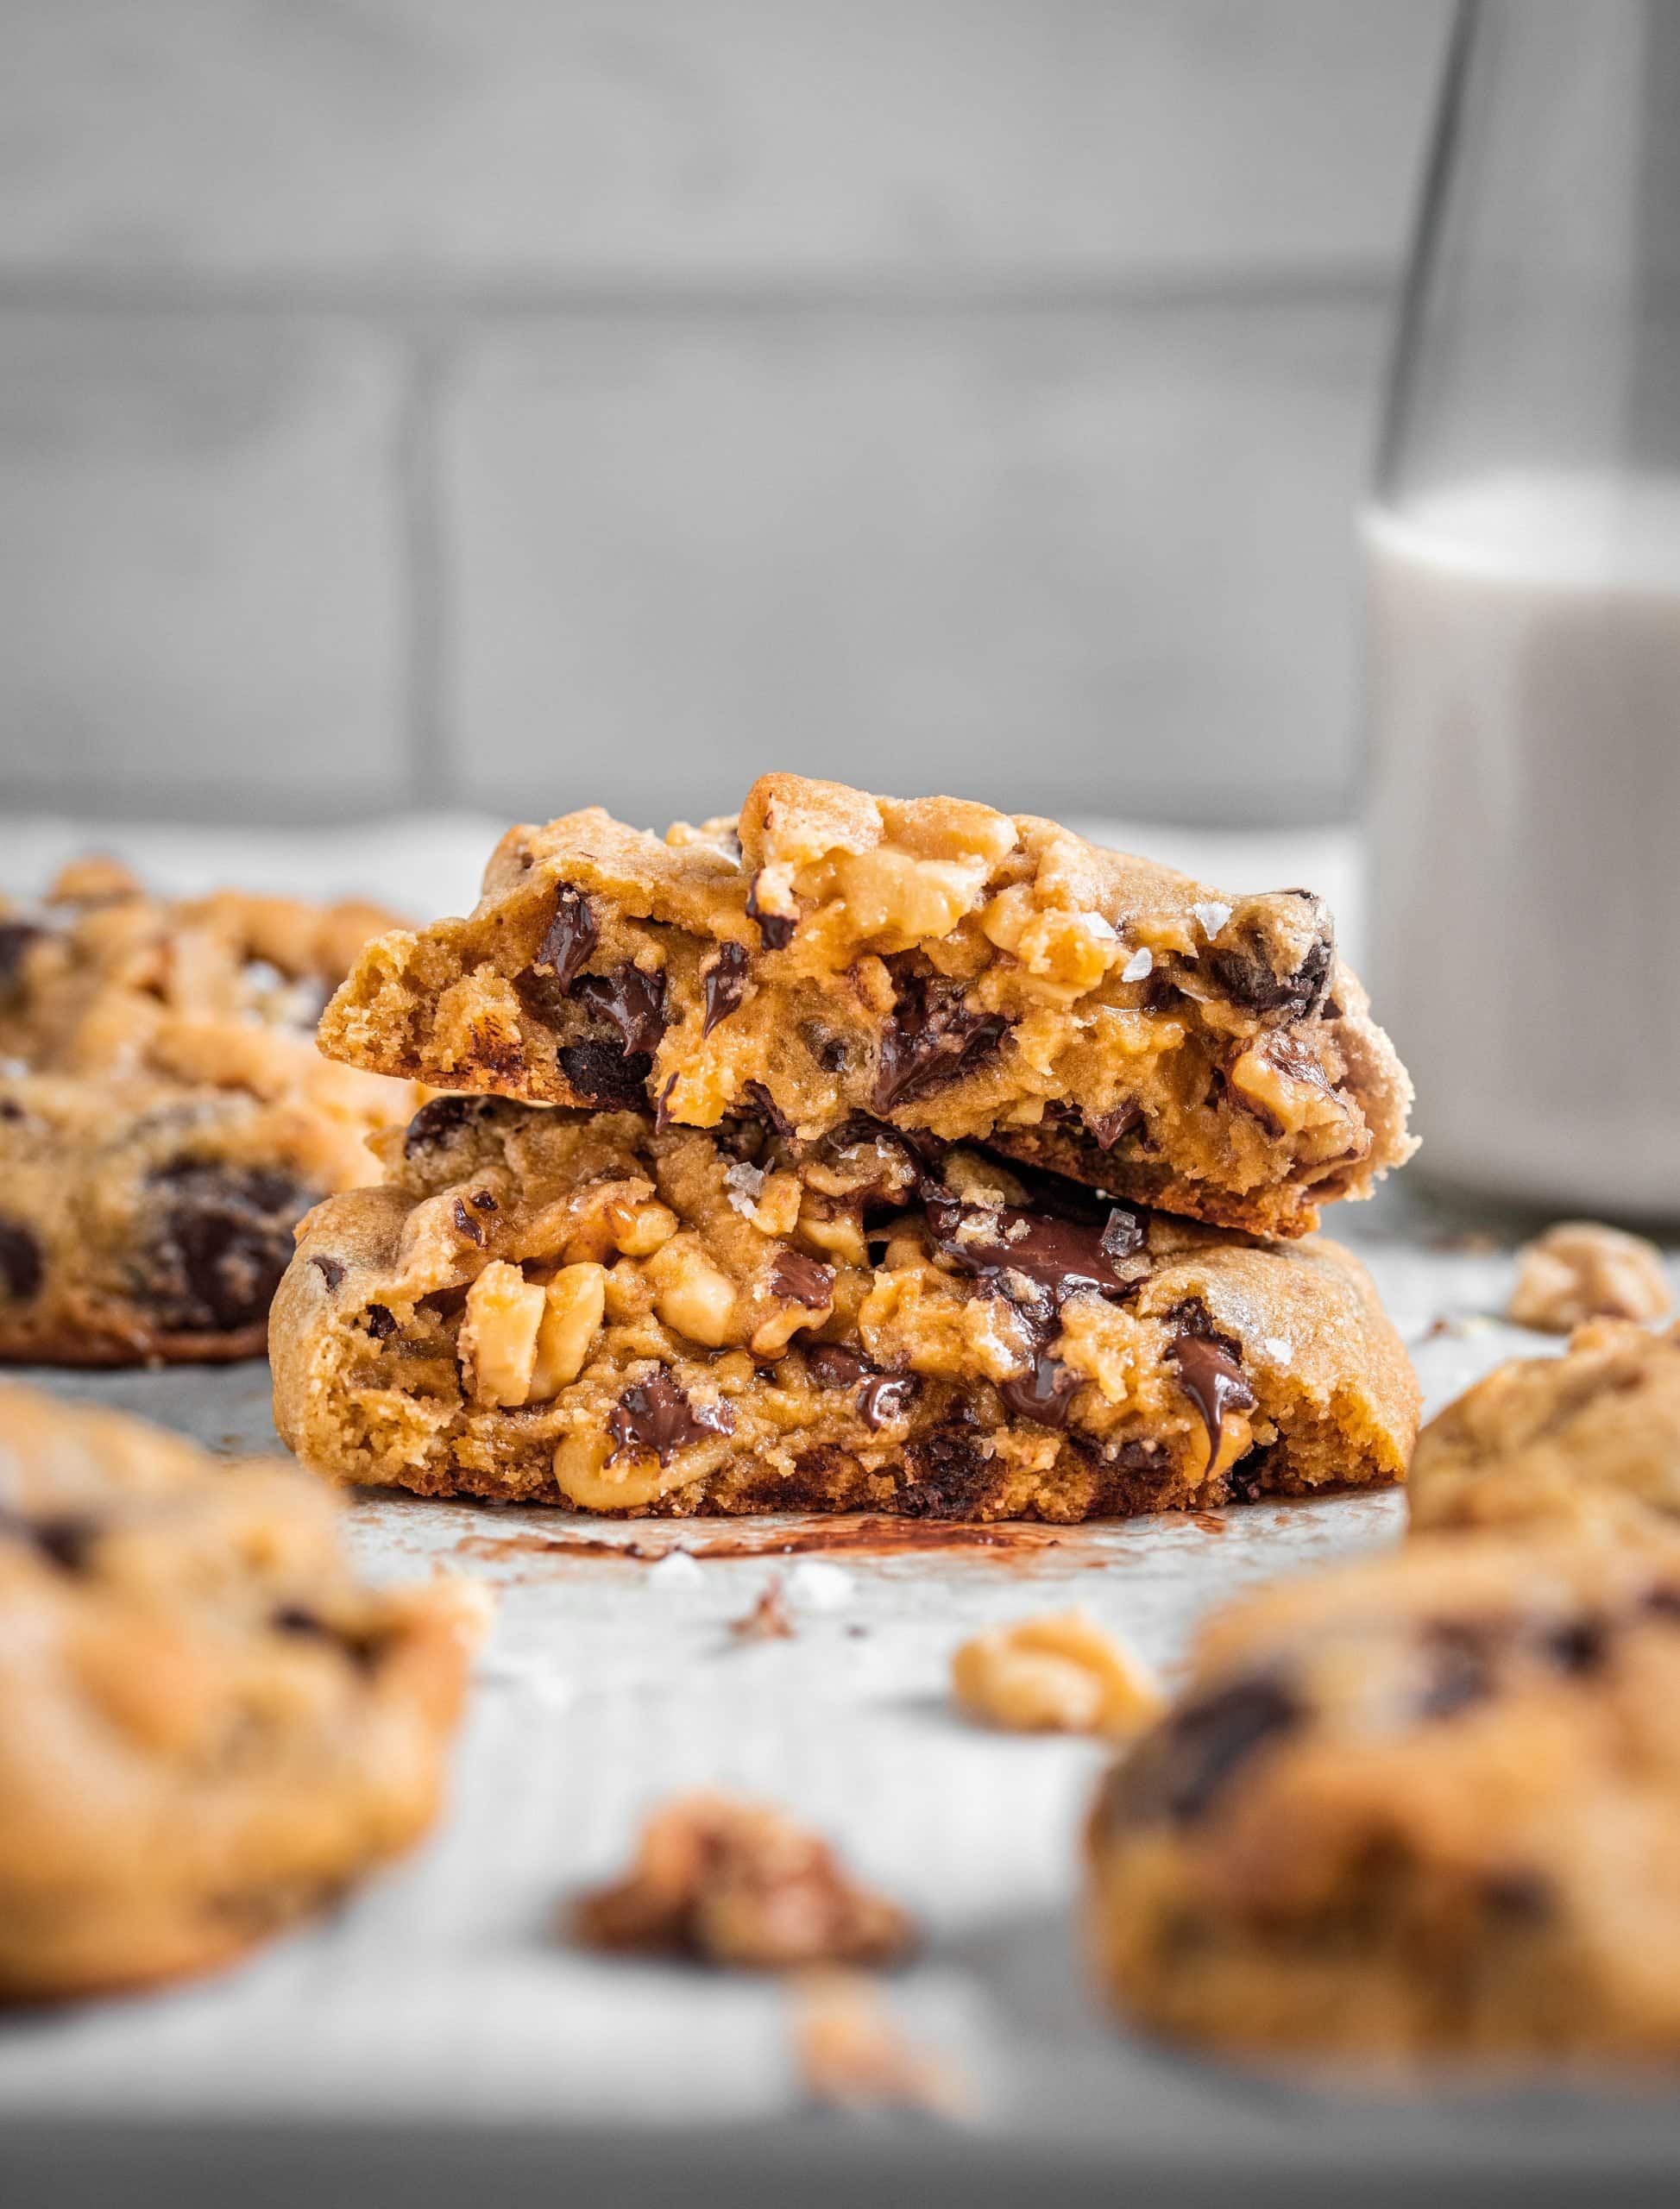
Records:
x=1522, y=558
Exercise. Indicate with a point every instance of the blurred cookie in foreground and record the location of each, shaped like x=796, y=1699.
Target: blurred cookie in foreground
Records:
x=741, y=1884
x=978, y=976
x=556, y=1307
x=165, y=1117
x=1424, y=1807
x=1591, y=1436
x=208, y=1727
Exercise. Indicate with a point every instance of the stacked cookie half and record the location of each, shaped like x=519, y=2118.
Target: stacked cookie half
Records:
x=853, y=1154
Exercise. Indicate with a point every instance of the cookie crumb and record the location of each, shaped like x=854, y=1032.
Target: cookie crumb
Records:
x=676, y=1569
x=819, y=1587
x=767, y=1620
x=1581, y=1270
x=1059, y=1673
x=852, y=2053
x=741, y=1884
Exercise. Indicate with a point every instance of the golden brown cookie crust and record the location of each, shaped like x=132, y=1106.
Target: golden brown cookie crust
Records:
x=947, y=967
x=1590, y=1438
x=1421, y=1809
x=737, y=1322
x=208, y=1729
x=165, y=1117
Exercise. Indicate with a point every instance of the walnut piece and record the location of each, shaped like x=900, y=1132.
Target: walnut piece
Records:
x=1582, y=1270
x=851, y=2054
x=1057, y=1674
x=741, y=1884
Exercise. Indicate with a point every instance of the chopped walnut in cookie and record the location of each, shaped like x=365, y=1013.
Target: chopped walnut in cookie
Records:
x=741, y=1884
x=1582, y=1270
x=1056, y=1674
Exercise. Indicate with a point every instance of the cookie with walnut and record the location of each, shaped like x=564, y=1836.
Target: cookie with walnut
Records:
x=209, y=1728
x=1591, y=1438
x=947, y=968
x=165, y=1117
x=1423, y=1808
x=558, y=1306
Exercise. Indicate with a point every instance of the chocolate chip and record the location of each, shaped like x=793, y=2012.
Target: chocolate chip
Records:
x=483, y=1200
x=1525, y=1898
x=607, y=1075
x=21, y=1266
x=884, y=1397
x=1581, y=1647
x=944, y=1476
x=725, y=983
x=466, y=1224
x=832, y=1053
x=380, y=1322
x=802, y=1280
x=1062, y=1256
x=831, y=1365
x=1246, y=975
x=1179, y=1771
x=15, y=937
x=655, y=1415
x=65, y=1537
x=225, y=1239
x=775, y=930
x=569, y=938
x=633, y=1001
x=435, y=1122
x=1108, y=1127
x=11, y=1110
x=662, y=1110
x=1247, y=1477
x=1460, y=1668
x=331, y=1270
x=769, y=1110
x=933, y=1039
x=1045, y=1395
x=1214, y=1381
x=306, y=1625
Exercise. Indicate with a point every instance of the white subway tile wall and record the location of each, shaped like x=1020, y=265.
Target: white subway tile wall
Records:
x=535, y=401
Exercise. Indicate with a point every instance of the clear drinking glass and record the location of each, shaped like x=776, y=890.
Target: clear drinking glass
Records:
x=1522, y=558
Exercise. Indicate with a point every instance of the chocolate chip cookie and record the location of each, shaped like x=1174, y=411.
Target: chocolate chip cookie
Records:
x=165, y=1117
x=1592, y=1437
x=208, y=1729
x=1428, y=1806
x=585, y=1308
x=938, y=965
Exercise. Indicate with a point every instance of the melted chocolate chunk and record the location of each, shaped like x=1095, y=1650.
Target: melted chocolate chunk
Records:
x=380, y=1322
x=444, y=1116
x=1215, y=1383
x=331, y=1270
x=802, y=1280
x=945, y=1476
x=65, y=1537
x=1460, y=1669
x=607, y=1075
x=225, y=1239
x=466, y=1224
x=569, y=938
x=1062, y=1257
x=20, y=1267
x=1581, y=1647
x=484, y=1201
x=832, y=1053
x=882, y=1396
x=1108, y=1127
x=633, y=1001
x=1249, y=980
x=725, y=984
x=662, y=1107
x=1181, y=1770
x=15, y=937
x=886, y=1397
x=768, y=1108
x=831, y=1365
x=934, y=1038
x=775, y=930
x=1522, y=1897
x=1044, y=1396
x=656, y=1415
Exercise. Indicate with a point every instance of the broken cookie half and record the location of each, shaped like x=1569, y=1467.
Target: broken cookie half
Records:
x=584, y=1308
x=939, y=965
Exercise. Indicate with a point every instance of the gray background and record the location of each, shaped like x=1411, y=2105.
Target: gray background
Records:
x=523, y=402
